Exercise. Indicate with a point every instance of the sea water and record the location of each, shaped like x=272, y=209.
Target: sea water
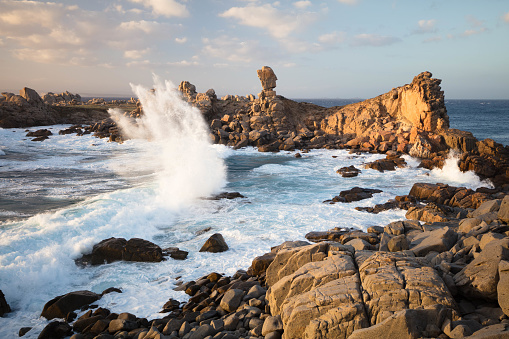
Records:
x=63, y=195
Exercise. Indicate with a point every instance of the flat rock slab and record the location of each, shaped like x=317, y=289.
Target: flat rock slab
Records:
x=395, y=281
x=328, y=291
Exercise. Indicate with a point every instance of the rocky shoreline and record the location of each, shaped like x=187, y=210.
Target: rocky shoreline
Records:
x=441, y=273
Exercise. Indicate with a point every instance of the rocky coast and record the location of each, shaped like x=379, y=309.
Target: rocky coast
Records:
x=440, y=273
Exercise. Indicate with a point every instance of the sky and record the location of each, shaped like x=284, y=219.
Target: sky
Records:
x=317, y=49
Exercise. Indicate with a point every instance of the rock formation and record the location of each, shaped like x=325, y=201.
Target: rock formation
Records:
x=410, y=119
x=64, y=98
x=268, y=80
x=29, y=109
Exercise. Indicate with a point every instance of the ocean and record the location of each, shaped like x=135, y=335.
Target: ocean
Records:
x=63, y=195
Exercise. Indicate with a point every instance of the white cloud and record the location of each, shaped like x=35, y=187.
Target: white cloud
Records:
x=48, y=56
x=302, y=4
x=348, y=2
x=373, y=40
x=135, y=53
x=280, y=24
x=47, y=32
x=297, y=46
x=181, y=40
x=142, y=25
x=426, y=26
x=184, y=63
x=232, y=49
x=139, y=63
x=470, y=32
x=332, y=38
x=506, y=17
x=167, y=8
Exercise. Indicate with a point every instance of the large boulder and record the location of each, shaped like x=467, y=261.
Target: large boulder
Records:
x=333, y=310
x=215, y=244
x=60, y=306
x=268, y=80
x=31, y=96
x=56, y=330
x=396, y=281
x=308, y=277
x=438, y=240
x=290, y=260
x=480, y=277
x=116, y=249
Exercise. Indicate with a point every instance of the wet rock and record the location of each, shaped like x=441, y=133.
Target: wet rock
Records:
x=60, y=306
x=333, y=235
x=390, y=163
x=348, y=172
x=23, y=331
x=215, y=244
x=116, y=249
x=40, y=133
x=354, y=194
x=175, y=253
x=227, y=195
x=55, y=330
x=4, y=306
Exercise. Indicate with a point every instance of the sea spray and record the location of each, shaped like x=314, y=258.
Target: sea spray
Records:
x=180, y=151
x=452, y=173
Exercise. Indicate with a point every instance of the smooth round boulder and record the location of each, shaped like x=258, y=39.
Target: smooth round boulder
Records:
x=215, y=244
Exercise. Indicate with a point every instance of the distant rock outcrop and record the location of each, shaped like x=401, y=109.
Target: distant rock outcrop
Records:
x=29, y=109
x=64, y=98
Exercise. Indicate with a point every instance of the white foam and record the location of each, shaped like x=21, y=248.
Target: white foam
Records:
x=451, y=173
x=187, y=165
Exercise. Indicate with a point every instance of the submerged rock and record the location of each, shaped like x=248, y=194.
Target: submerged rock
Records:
x=348, y=172
x=354, y=194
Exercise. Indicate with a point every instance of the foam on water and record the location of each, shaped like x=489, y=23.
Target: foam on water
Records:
x=187, y=166
x=451, y=173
